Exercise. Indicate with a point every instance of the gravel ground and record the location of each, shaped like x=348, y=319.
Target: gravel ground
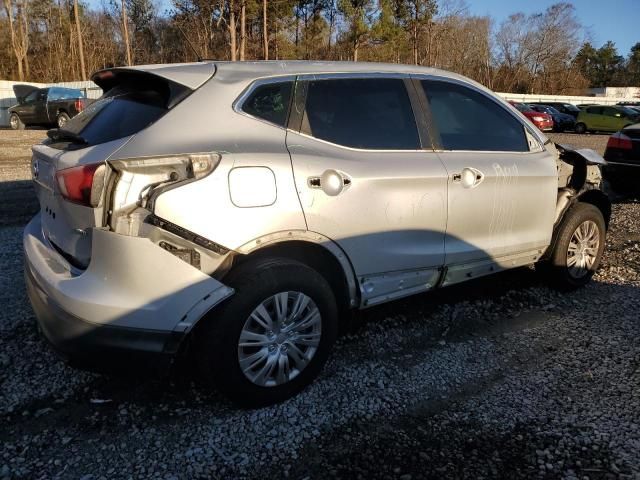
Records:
x=498, y=378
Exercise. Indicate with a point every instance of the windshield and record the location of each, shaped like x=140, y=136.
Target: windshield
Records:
x=571, y=107
x=629, y=111
x=552, y=111
x=523, y=107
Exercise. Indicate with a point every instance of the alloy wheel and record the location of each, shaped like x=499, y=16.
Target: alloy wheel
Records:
x=279, y=339
x=582, y=252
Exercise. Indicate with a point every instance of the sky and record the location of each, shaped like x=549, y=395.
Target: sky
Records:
x=615, y=20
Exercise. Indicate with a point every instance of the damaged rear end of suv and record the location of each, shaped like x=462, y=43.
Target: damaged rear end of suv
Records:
x=113, y=291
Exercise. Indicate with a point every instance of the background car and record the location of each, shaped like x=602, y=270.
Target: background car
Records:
x=543, y=121
x=623, y=159
x=45, y=106
x=605, y=118
x=567, y=108
x=561, y=121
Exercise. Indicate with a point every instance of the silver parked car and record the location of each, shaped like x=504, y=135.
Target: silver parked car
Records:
x=236, y=212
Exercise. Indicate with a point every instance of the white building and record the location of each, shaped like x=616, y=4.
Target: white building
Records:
x=633, y=92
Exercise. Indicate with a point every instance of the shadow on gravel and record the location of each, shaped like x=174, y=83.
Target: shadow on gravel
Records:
x=19, y=202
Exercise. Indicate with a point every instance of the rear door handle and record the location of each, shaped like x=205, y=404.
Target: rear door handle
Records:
x=331, y=182
x=469, y=177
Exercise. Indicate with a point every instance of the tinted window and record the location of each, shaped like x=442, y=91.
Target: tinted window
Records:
x=121, y=112
x=522, y=107
x=468, y=120
x=32, y=96
x=64, y=93
x=594, y=110
x=570, y=108
x=612, y=112
x=371, y=113
x=270, y=102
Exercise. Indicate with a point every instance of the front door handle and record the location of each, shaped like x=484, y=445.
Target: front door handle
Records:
x=331, y=182
x=469, y=177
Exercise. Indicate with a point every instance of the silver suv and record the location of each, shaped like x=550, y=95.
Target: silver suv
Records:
x=237, y=212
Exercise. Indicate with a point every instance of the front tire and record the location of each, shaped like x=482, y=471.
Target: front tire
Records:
x=272, y=337
x=577, y=249
x=15, y=122
x=581, y=128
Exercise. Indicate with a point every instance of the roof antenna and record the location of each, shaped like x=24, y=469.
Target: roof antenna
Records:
x=198, y=56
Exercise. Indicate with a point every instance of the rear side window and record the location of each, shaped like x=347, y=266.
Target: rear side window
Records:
x=270, y=102
x=594, y=110
x=367, y=113
x=468, y=120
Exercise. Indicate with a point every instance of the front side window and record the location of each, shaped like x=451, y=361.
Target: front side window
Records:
x=31, y=98
x=468, y=120
x=594, y=110
x=367, y=113
x=270, y=102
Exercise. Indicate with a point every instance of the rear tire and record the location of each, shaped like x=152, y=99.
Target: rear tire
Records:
x=578, y=245
x=62, y=119
x=15, y=122
x=581, y=128
x=272, y=337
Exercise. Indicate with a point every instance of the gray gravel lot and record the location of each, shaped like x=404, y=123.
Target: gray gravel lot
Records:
x=499, y=378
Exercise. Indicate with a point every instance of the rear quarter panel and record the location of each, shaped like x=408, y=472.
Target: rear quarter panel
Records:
x=206, y=122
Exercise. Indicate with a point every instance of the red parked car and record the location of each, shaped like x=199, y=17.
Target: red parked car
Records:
x=542, y=120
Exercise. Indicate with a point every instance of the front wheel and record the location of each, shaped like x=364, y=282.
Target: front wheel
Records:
x=271, y=338
x=578, y=247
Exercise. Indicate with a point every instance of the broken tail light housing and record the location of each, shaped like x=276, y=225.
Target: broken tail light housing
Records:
x=82, y=184
x=620, y=141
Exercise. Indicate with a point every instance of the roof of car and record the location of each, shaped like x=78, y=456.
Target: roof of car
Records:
x=194, y=74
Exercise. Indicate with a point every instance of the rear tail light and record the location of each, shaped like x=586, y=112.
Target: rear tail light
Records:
x=79, y=104
x=621, y=141
x=82, y=184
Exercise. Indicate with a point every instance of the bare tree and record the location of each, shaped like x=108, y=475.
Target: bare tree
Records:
x=83, y=70
x=125, y=33
x=19, y=35
x=265, y=32
x=243, y=28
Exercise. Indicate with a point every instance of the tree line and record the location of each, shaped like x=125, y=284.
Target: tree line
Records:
x=547, y=52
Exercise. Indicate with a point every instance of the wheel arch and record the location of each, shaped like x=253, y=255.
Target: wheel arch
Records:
x=314, y=250
x=599, y=200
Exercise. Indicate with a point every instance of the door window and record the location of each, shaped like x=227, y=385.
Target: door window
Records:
x=367, y=113
x=270, y=102
x=469, y=120
x=594, y=110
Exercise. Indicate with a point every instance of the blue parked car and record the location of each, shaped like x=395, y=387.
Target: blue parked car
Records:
x=561, y=121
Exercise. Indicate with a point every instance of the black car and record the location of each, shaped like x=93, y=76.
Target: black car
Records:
x=45, y=106
x=623, y=159
x=561, y=121
x=561, y=107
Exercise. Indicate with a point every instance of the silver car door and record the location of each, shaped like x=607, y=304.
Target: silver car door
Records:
x=365, y=181
x=502, y=182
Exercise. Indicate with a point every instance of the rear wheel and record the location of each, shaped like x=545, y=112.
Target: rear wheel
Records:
x=271, y=338
x=62, y=119
x=581, y=128
x=15, y=122
x=578, y=247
